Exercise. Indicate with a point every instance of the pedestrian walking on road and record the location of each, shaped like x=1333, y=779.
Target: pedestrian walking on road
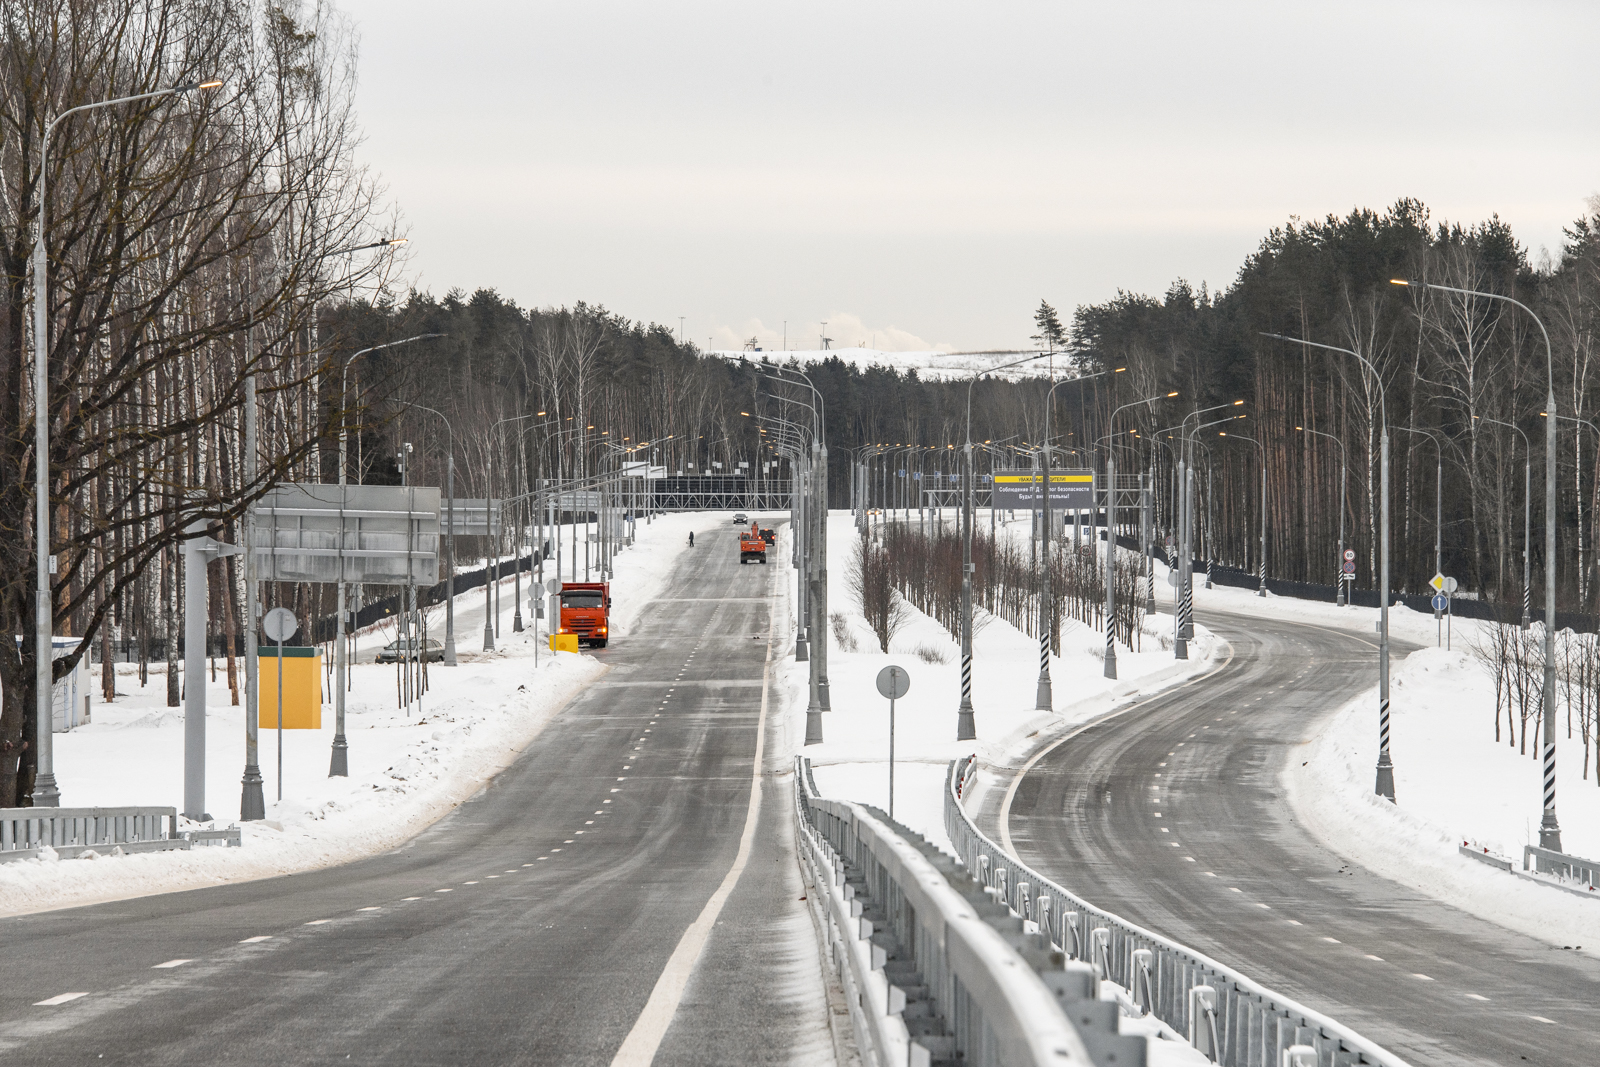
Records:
x=691, y=538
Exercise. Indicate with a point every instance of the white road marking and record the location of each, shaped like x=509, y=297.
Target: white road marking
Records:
x=639, y=1047
x=1424, y=977
x=1294, y=922
x=1370, y=956
x=256, y=940
x=1235, y=889
x=1474, y=996
x=444, y=890
x=170, y=964
x=469, y=883
x=373, y=908
x=1333, y=940
x=320, y=922
x=1542, y=1019
x=59, y=998
x=1190, y=859
x=410, y=898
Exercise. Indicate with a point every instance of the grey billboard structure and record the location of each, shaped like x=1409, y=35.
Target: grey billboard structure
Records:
x=474, y=517
x=372, y=534
x=1023, y=489
x=361, y=534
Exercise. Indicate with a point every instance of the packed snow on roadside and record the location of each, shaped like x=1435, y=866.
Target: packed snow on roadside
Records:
x=1455, y=785
x=406, y=771
x=852, y=763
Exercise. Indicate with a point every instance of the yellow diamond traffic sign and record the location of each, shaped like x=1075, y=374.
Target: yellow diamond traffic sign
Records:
x=1437, y=583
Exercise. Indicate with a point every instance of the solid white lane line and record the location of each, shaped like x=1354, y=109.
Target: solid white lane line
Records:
x=170, y=963
x=59, y=998
x=639, y=1047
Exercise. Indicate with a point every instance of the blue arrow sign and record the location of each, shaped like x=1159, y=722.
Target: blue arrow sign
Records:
x=1440, y=602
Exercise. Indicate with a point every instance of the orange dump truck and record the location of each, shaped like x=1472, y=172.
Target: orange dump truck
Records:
x=586, y=612
x=752, y=546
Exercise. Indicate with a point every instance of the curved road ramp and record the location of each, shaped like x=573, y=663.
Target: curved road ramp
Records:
x=1226, y=1016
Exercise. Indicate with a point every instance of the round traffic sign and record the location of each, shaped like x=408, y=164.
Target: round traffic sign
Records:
x=893, y=682
x=1449, y=585
x=280, y=624
x=1349, y=555
x=1172, y=576
x=1440, y=602
x=553, y=586
x=1349, y=566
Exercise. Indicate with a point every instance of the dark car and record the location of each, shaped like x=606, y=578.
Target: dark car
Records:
x=741, y=518
x=432, y=649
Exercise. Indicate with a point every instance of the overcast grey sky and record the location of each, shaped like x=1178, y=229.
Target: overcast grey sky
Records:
x=922, y=174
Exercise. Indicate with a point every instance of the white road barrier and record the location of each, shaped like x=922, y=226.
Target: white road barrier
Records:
x=1233, y=1020
x=932, y=966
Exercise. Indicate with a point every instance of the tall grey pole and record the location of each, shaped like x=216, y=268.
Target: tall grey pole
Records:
x=450, y=574
x=819, y=653
x=1262, y=563
x=1385, y=783
x=1549, y=828
x=1180, y=646
x=1344, y=478
x=45, y=793
x=195, y=611
x=1043, y=697
x=1111, y=564
x=1146, y=539
x=252, y=803
x=492, y=571
x=966, y=727
x=1527, y=538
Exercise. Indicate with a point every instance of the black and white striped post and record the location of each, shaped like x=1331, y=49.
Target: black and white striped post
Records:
x=1385, y=777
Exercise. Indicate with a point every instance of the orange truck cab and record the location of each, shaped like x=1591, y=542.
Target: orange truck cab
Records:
x=752, y=546
x=586, y=612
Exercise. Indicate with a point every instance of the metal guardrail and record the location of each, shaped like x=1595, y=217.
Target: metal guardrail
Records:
x=1560, y=865
x=26, y=832
x=1228, y=1017
x=934, y=970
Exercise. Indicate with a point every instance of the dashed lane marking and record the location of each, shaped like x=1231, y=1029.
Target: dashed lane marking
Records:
x=169, y=964
x=256, y=939
x=59, y=998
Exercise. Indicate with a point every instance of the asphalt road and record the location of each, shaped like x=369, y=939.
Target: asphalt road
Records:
x=1172, y=816
x=530, y=926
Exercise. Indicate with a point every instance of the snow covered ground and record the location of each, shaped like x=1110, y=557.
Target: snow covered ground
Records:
x=405, y=772
x=853, y=760
x=930, y=366
x=1454, y=784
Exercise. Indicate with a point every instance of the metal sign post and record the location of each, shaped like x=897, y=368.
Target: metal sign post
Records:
x=280, y=625
x=893, y=682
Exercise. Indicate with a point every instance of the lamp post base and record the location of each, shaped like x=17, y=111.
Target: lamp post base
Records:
x=252, y=805
x=46, y=794
x=339, y=765
x=1180, y=649
x=449, y=651
x=488, y=637
x=813, y=726
x=966, y=728
x=1111, y=662
x=516, y=622
x=1044, y=697
x=1550, y=833
x=823, y=703
x=800, y=654
x=1385, y=786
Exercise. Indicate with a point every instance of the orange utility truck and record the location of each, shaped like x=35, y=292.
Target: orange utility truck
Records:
x=586, y=612
x=752, y=546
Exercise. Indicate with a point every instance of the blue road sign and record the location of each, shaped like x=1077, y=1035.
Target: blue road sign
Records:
x=1440, y=602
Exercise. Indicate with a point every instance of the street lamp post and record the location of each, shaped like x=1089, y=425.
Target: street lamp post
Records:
x=1549, y=828
x=1111, y=531
x=1438, y=500
x=1527, y=520
x=1344, y=473
x=1261, y=562
x=966, y=727
x=339, y=766
x=1385, y=776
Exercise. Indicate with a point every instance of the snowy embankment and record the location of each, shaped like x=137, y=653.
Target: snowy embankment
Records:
x=406, y=772
x=1454, y=784
x=852, y=762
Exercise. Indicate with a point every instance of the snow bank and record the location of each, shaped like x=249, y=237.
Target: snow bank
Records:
x=405, y=772
x=852, y=762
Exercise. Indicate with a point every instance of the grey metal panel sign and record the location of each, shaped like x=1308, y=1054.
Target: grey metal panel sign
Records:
x=377, y=534
x=578, y=500
x=474, y=516
x=1022, y=489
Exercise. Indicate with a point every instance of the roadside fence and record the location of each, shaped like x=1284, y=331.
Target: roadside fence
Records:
x=26, y=832
x=1232, y=1020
